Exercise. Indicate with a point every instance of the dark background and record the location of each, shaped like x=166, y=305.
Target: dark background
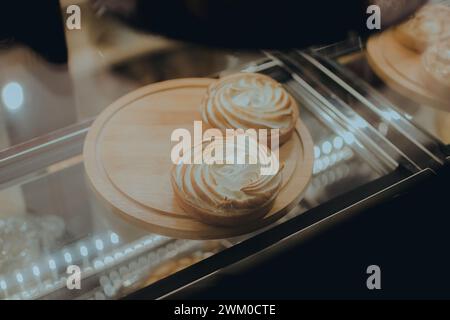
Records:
x=249, y=24
x=407, y=237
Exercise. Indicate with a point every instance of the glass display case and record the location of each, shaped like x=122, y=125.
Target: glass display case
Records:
x=370, y=143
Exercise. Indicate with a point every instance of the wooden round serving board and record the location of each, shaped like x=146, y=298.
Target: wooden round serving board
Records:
x=401, y=69
x=127, y=159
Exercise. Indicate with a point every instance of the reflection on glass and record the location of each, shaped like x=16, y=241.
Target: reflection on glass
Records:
x=12, y=96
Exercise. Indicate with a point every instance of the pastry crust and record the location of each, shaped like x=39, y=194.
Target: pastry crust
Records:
x=250, y=101
x=429, y=25
x=436, y=68
x=224, y=194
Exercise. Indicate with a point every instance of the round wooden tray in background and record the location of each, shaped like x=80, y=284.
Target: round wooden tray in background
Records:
x=401, y=69
x=127, y=160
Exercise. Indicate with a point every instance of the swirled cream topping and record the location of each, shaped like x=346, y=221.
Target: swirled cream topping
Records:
x=222, y=190
x=429, y=25
x=249, y=100
x=436, y=61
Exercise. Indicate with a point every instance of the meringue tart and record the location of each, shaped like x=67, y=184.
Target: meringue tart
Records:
x=250, y=101
x=436, y=69
x=429, y=25
x=222, y=194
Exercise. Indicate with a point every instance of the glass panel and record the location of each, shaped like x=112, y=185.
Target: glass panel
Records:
x=51, y=219
x=352, y=56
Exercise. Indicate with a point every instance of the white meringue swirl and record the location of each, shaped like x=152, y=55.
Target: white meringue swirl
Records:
x=436, y=64
x=250, y=100
x=437, y=60
x=224, y=194
x=429, y=25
